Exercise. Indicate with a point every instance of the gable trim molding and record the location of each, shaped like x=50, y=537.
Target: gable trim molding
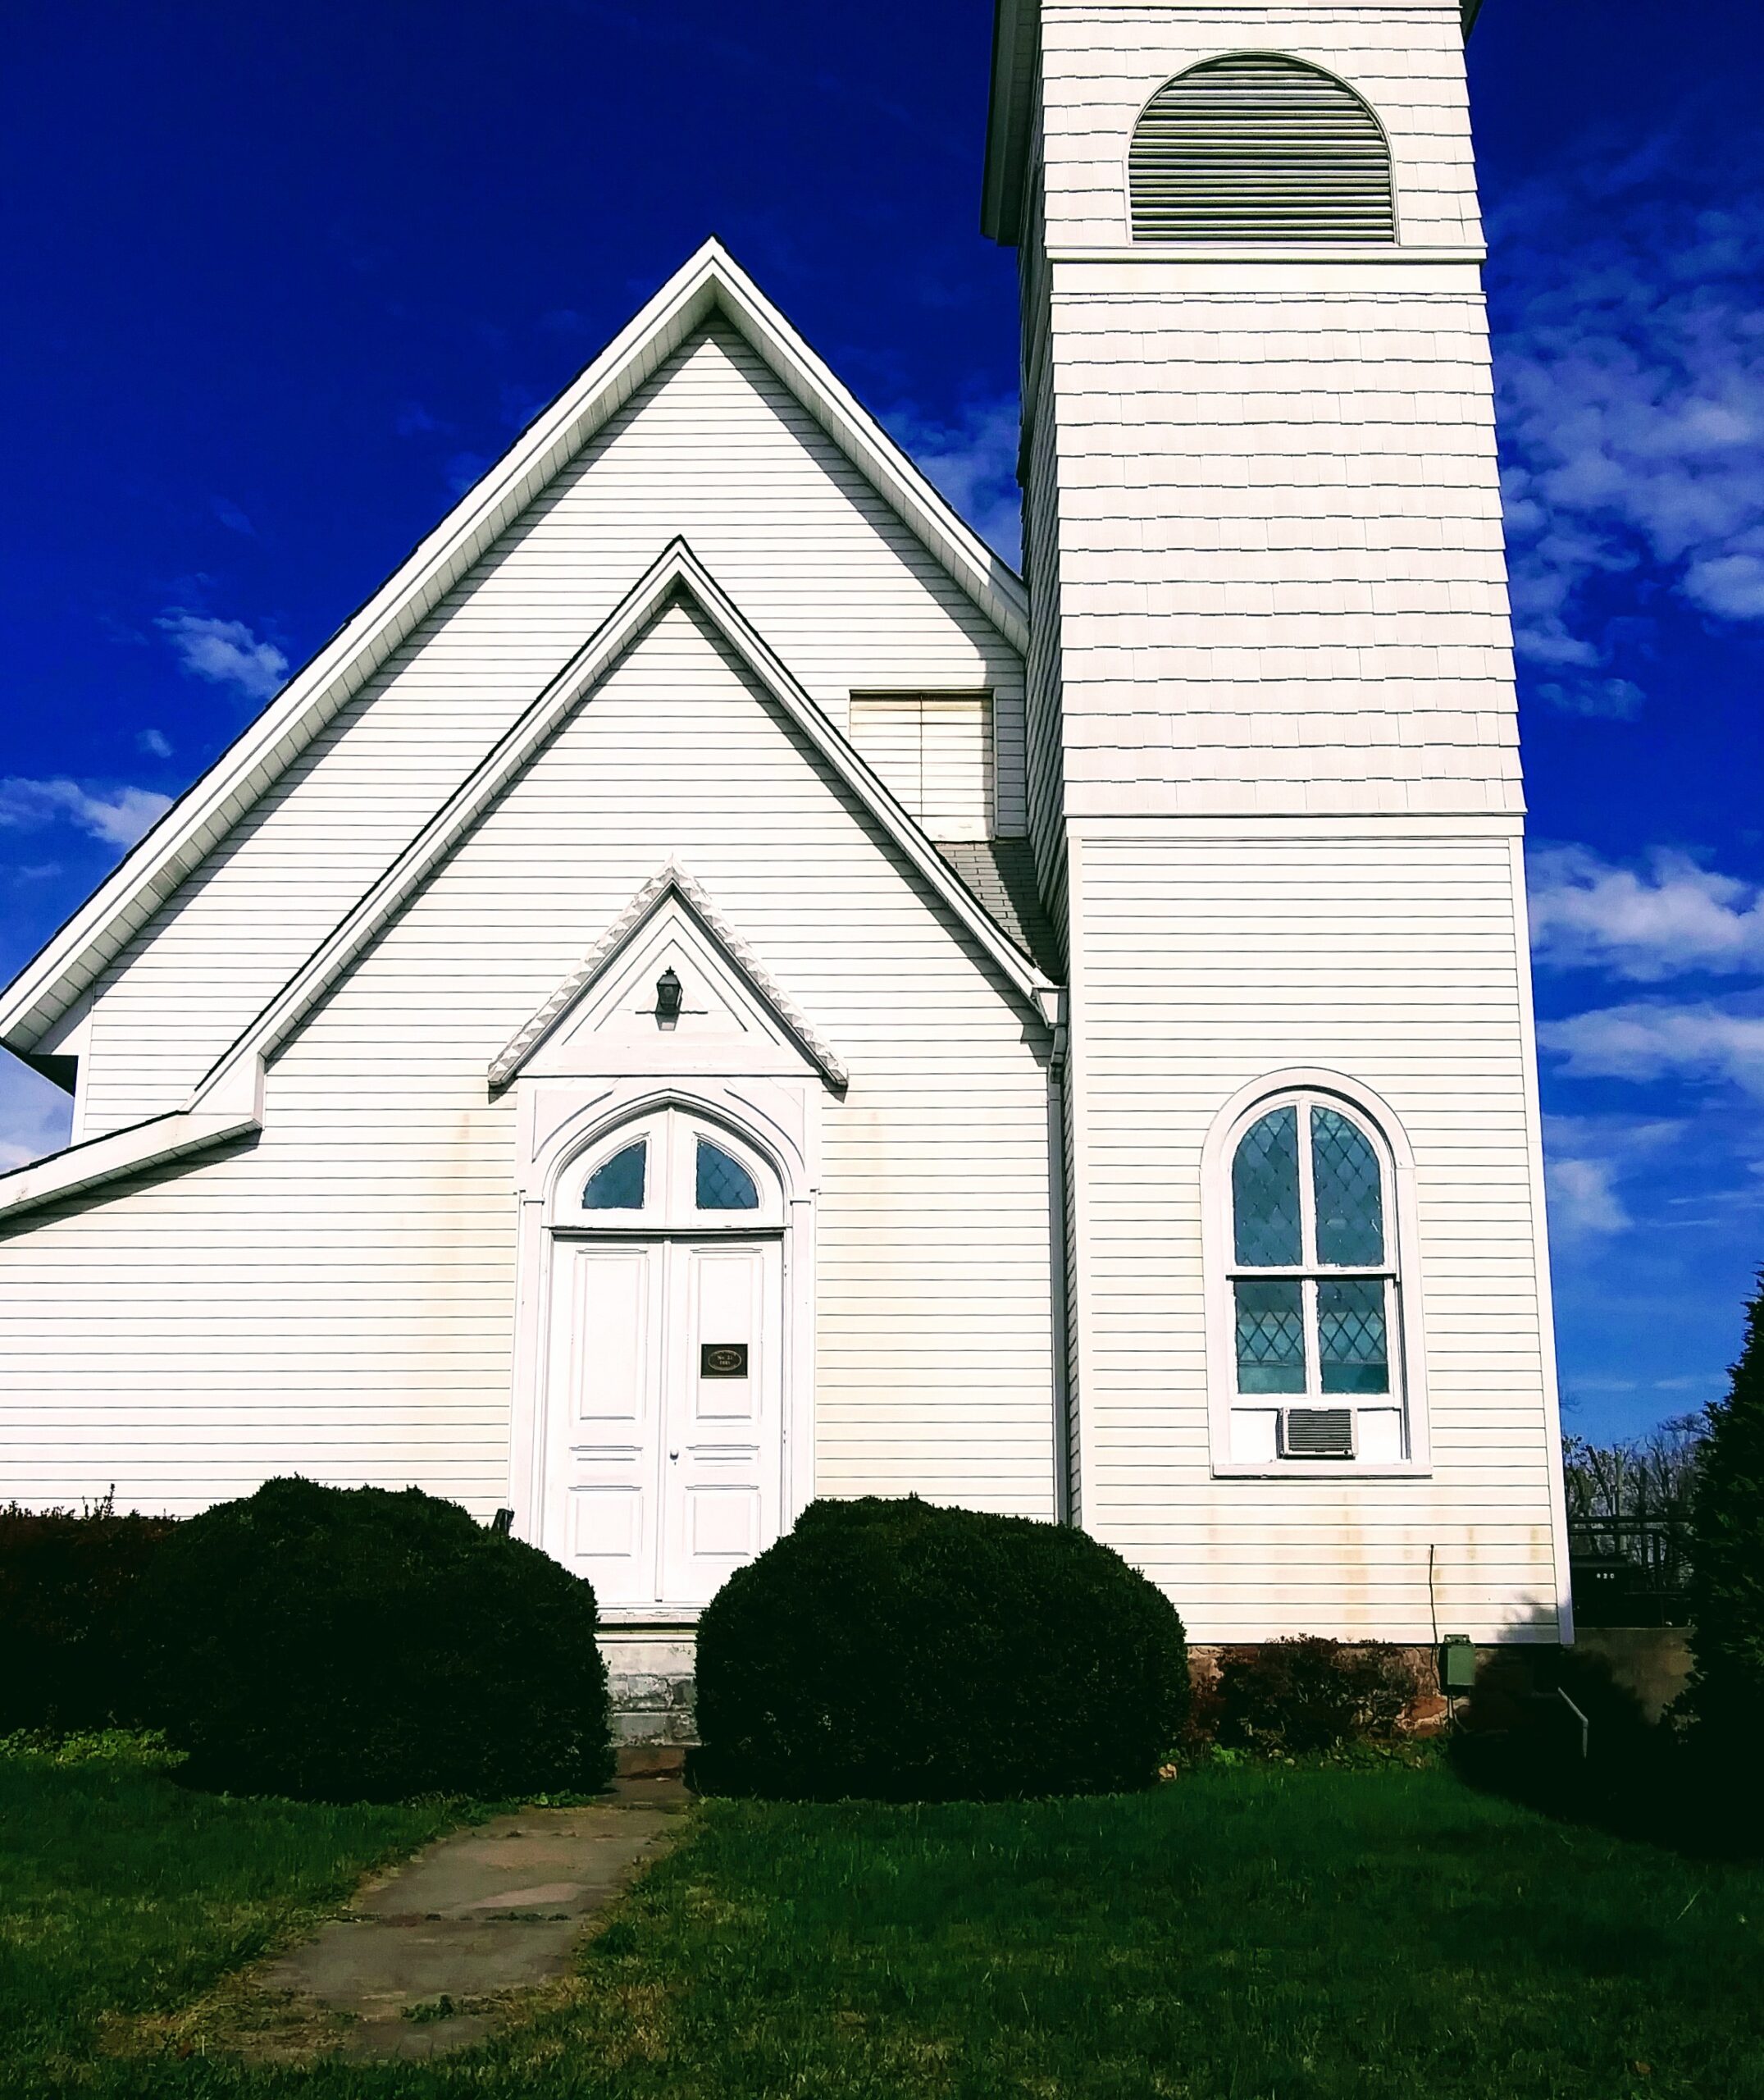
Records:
x=709, y=283
x=672, y=881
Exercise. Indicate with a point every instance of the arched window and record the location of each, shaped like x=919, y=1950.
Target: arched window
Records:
x=618, y=1184
x=721, y=1183
x=668, y=1170
x=1260, y=147
x=1315, y=1312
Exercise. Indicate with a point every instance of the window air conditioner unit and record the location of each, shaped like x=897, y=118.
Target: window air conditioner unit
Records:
x=1316, y=1432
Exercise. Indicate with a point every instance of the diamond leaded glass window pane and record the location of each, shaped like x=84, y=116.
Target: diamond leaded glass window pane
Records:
x=723, y=1183
x=1349, y=1195
x=1352, y=1338
x=617, y=1185
x=1264, y=1193
x=1270, y=1327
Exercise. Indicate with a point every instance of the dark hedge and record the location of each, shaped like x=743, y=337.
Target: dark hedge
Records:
x=1726, y=1700
x=1308, y=1694
x=65, y=1583
x=895, y=1650
x=352, y=1644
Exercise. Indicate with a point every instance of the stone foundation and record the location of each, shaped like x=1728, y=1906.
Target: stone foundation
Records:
x=1426, y=1715
x=649, y=1675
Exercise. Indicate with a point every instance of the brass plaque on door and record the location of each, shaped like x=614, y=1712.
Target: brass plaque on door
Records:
x=722, y=1360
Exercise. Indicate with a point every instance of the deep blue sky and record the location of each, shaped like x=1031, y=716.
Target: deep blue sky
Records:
x=280, y=281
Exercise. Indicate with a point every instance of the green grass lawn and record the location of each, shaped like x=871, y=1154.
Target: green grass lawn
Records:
x=1245, y=1933
x=122, y=1893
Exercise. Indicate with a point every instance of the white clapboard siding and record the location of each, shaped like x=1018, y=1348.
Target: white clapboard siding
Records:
x=338, y=1297
x=1101, y=64
x=712, y=448
x=935, y=751
x=1207, y=963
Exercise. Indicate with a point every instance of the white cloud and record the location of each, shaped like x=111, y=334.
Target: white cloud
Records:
x=117, y=815
x=1631, y=383
x=155, y=742
x=1644, y=1040
x=35, y=1117
x=974, y=461
x=224, y=652
x=1585, y=1158
x=1676, y=916
x=1611, y=700
x=1584, y=1203
x=232, y=517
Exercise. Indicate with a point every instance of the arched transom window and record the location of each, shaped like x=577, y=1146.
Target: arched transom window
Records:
x=1315, y=1316
x=669, y=1170
x=1260, y=147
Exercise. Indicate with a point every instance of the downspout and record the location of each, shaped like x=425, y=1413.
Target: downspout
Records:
x=1064, y=1497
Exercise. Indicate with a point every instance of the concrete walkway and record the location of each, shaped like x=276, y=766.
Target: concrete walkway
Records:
x=490, y=1909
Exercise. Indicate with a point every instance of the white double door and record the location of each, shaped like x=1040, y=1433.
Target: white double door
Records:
x=664, y=1411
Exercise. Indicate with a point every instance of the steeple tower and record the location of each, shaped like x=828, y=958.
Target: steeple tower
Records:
x=1274, y=783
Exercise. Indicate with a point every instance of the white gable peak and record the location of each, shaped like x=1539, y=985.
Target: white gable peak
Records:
x=672, y=986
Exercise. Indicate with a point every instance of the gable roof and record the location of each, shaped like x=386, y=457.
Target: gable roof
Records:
x=677, y=574
x=227, y=1102
x=672, y=882
x=710, y=284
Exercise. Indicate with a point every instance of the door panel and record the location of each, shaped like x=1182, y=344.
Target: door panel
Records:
x=720, y=1497
x=610, y=1290
x=604, y=1414
x=725, y=1288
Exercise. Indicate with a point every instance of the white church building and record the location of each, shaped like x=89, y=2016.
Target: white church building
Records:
x=711, y=990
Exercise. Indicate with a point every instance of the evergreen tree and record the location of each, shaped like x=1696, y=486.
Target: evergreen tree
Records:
x=1726, y=1696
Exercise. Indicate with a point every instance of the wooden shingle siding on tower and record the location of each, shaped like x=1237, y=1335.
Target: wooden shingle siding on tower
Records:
x=1100, y=65
x=1268, y=582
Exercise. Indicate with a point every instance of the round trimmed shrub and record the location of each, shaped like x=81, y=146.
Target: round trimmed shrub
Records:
x=896, y=1650
x=353, y=1644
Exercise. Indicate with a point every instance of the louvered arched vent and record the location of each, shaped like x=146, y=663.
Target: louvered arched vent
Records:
x=1260, y=147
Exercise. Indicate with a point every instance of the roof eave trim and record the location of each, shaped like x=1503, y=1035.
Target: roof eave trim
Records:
x=231, y=1112
x=1016, y=25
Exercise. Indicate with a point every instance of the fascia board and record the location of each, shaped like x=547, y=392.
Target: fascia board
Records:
x=676, y=570
x=75, y=955
x=208, y=809
x=119, y=1154
x=1015, y=25
x=866, y=784
x=988, y=579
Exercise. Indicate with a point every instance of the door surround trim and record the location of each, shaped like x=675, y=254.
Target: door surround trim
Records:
x=558, y=1120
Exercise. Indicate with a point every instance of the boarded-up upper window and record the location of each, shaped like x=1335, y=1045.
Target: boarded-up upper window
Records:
x=935, y=750
x=1260, y=147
